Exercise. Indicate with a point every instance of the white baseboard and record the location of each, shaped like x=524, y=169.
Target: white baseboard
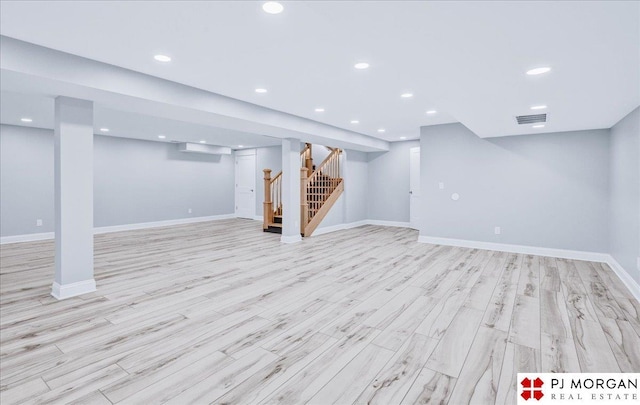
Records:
x=624, y=276
x=329, y=229
x=31, y=237
x=290, y=239
x=65, y=291
x=258, y=218
x=156, y=224
x=340, y=227
x=116, y=228
x=389, y=223
x=529, y=250
x=351, y=225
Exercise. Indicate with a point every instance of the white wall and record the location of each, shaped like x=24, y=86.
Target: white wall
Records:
x=356, y=189
x=351, y=206
x=26, y=180
x=388, y=183
x=548, y=190
x=134, y=181
x=625, y=193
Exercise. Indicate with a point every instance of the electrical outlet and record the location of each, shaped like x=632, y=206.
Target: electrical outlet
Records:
x=38, y=222
x=497, y=230
x=190, y=211
x=441, y=186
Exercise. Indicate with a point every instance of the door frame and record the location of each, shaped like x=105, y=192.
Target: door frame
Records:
x=239, y=153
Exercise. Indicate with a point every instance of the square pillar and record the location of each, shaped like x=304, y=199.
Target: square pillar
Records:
x=290, y=191
x=73, y=149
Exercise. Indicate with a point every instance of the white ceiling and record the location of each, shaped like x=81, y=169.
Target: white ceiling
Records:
x=467, y=60
x=15, y=106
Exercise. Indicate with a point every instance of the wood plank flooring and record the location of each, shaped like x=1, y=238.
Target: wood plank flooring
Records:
x=220, y=312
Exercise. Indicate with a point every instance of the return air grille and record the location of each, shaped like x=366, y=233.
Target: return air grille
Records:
x=531, y=119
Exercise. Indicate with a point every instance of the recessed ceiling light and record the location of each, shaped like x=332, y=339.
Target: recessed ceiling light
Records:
x=240, y=146
x=261, y=90
x=161, y=136
x=355, y=121
x=162, y=58
x=272, y=7
x=538, y=107
x=431, y=112
x=538, y=126
x=319, y=109
x=381, y=130
x=538, y=71
x=361, y=65
x=104, y=129
x=26, y=119
x=406, y=95
x=203, y=141
x=403, y=137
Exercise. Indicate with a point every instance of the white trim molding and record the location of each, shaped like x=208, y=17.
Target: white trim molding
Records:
x=529, y=250
x=624, y=276
x=388, y=223
x=290, y=239
x=30, y=237
x=351, y=225
x=64, y=291
x=170, y=222
x=606, y=258
x=116, y=228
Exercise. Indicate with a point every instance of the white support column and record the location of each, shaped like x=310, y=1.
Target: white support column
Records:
x=73, y=138
x=290, y=191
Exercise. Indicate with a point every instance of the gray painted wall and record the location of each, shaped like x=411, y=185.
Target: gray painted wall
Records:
x=548, y=190
x=26, y=180
x=134, y=181
x=266, y=158
x=140, y=181
x=352, y=204
x=356, y=188
x=625, y=193
x=388, y=183
x=320, y=153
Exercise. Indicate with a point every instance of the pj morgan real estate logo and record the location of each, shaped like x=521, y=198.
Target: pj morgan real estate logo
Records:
x=578, y=388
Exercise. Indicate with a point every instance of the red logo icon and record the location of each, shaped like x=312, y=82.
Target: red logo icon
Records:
x=532, y=389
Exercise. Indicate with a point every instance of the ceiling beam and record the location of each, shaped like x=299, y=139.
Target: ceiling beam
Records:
x=35, y=69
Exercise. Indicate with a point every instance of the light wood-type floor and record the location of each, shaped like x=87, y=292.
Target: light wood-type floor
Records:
x=220, y=312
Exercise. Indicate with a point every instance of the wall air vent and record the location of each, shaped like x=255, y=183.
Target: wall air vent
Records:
x=531, y=119
x=200, y=148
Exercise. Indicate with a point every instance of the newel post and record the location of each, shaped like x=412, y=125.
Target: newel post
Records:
x=268, y=204
x=304, y=207
x=309, y=160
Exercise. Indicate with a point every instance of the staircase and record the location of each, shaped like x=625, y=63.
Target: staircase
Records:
x=319, y=189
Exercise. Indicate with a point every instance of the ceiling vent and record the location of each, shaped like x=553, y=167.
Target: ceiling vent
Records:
x=531, y=119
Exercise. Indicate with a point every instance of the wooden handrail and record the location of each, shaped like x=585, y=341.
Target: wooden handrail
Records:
x=304, y=205
x=276, y=194
x=319, y=188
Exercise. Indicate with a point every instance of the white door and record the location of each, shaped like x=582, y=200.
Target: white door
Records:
x=245, y=186
x=414, y=187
